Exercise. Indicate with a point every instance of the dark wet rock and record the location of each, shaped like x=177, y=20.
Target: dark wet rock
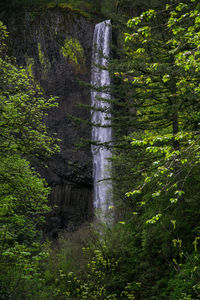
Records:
x=55, y=46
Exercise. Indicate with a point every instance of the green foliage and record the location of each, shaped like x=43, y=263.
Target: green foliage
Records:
x=165, y=95
x=161, y=75
x=96, y=271
x=94, y=285
x=23, y=194
x=185, y=285
x=22, y=111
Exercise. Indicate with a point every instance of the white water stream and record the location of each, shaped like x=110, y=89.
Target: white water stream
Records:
x=102, y=134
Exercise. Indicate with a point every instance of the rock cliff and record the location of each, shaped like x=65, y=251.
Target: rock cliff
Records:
x=55, y=46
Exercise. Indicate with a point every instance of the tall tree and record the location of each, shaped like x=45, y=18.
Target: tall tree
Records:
x=156, y=109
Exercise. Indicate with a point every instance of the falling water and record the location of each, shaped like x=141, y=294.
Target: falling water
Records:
x=101, y=116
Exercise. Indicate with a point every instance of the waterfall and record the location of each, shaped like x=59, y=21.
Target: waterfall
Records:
x=101, y=116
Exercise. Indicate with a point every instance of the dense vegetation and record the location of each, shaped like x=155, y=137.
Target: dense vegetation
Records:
x=152, y=251
x=23, y=194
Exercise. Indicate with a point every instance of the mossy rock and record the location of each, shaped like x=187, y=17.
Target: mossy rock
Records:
x=74, y=53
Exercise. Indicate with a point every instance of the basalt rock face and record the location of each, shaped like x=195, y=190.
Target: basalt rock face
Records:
x=55, y=46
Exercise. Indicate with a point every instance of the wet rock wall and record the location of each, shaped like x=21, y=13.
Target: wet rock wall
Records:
x=55, y=46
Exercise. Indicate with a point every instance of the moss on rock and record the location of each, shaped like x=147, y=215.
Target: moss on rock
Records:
x=74, y=53
x=30, y=63
x=45, y=63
